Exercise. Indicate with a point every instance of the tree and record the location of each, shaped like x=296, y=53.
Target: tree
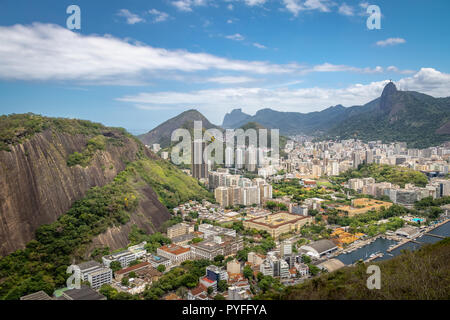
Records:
x=115, y=266
x=134, y=262
x=197, y=240
x=125, y=281
x=219, y=258
x=248, y=272
x=161, y=268
x=222, y=285
x=259, y=276
x=306, y=259
x=108, y=291
x=219, y=297
x=313, y=269
x=210, y=290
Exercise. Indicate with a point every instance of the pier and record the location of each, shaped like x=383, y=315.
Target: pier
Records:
x=434, y=235
x=376, y=256
x=397, y=245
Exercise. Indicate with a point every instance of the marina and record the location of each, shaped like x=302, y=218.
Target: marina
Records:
x=385, y=247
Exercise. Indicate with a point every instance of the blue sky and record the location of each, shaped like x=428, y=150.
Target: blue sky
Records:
x=135, y=64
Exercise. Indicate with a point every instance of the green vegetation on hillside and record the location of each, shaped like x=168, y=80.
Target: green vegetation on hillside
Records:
x=384, y=172
x=421, y=274
x=154, y=240
x=83, y=158
x=16, y=128
x=171, y=184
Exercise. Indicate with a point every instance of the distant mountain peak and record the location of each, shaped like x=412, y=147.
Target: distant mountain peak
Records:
x=162, y=133
x=389, y=89
x=236, y=116
x=387, y=97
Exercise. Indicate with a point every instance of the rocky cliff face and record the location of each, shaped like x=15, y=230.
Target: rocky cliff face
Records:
x=37, y=186
x=149, y=216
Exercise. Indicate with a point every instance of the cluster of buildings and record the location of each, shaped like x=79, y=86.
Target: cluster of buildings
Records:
x=215, y=241
x=283, y=264
x=144, y=272
x=206, y=210
x=436, y=188
x=238, y=287
x=330, y=158
x=231, y=190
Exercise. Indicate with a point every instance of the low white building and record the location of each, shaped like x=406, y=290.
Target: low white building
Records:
x=408, y=232
x=319, y=248
x=95, y=274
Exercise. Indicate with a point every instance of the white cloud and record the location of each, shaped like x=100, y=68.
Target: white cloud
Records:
x=236, y=37
x=158, y=15
x=364, y=5
x=230, y=7
x=254, y=2
x=259, y=46
x=427, y=80
x=51, y=52
x=397, y=70
x=131, y=17
x=186, y=5
x=328, y=67
x=295, y=6
x=231, y=80
x=229, y=21
x=346, y=10
x=390, y=42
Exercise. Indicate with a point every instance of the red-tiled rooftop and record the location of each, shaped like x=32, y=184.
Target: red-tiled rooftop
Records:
x=174, y=249
x=198, y=289
x=129, y=269
x=207, y=280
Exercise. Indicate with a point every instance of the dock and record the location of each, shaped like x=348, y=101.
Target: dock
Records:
x=378, y=255
x=434, y=235
x=417, y=242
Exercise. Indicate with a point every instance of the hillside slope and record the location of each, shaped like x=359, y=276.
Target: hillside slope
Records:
x=162, y=133
x=36, y=183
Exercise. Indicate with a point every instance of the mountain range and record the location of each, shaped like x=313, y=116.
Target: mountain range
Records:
x=416, y=118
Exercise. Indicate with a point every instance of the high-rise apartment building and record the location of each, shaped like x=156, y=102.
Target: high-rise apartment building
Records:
x=199, y=165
